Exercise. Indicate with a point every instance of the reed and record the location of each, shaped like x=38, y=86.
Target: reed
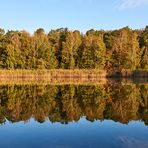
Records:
x=64, y=76
x=54, y=76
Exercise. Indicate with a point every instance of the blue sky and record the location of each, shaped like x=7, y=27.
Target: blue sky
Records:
x=74, y=14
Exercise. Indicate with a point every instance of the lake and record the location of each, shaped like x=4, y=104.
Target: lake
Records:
x=109, y=115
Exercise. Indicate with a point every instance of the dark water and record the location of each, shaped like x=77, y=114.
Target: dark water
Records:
x=111, y=115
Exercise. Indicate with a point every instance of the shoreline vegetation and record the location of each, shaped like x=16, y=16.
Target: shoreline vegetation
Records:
x=63, y=76
x=55, y=77
x=72, y=73
x=117, y=52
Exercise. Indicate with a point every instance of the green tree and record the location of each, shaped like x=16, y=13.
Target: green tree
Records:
x=125, y=48
x=44, y=56
x=69, y=50
x=144, y=49
x=92, y=51
x=56, y=39
x=2, y=50
x=12, y=46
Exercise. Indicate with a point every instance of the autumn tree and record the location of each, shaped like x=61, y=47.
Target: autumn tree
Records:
x=56, y=39
x=44, y=56
x=12, y=45
x=124, y=48
x=70, y=49
x=92, y=51
x=110, y=50
x=144, y=49
x=2, y=50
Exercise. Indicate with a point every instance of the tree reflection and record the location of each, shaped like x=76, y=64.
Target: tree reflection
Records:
x=66, y=103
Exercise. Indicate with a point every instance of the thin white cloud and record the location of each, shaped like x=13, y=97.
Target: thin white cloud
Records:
x=128, y=4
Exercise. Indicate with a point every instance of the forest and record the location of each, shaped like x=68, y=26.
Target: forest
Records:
x=67, y=103
x=120, y=49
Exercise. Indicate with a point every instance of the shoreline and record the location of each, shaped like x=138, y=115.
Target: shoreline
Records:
x=65, y=77
x=72, y=73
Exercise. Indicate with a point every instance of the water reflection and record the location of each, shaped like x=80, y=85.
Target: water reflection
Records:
x=117, y=101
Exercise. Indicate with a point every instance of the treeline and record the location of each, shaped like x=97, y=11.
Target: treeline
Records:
x=67, y=103
x=110, y=50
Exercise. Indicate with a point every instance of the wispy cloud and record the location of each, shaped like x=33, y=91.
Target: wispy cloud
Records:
x=128, y=4
x=130, y=142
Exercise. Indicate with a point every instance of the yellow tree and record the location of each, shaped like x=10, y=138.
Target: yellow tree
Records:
x=69, y=50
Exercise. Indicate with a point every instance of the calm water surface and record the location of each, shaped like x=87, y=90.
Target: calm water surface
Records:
x=112, y=115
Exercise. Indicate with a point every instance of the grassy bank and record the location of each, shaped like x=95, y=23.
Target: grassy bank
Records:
x=55, y=73
x=54, y=77
x=71, y=73
x=61, y=76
